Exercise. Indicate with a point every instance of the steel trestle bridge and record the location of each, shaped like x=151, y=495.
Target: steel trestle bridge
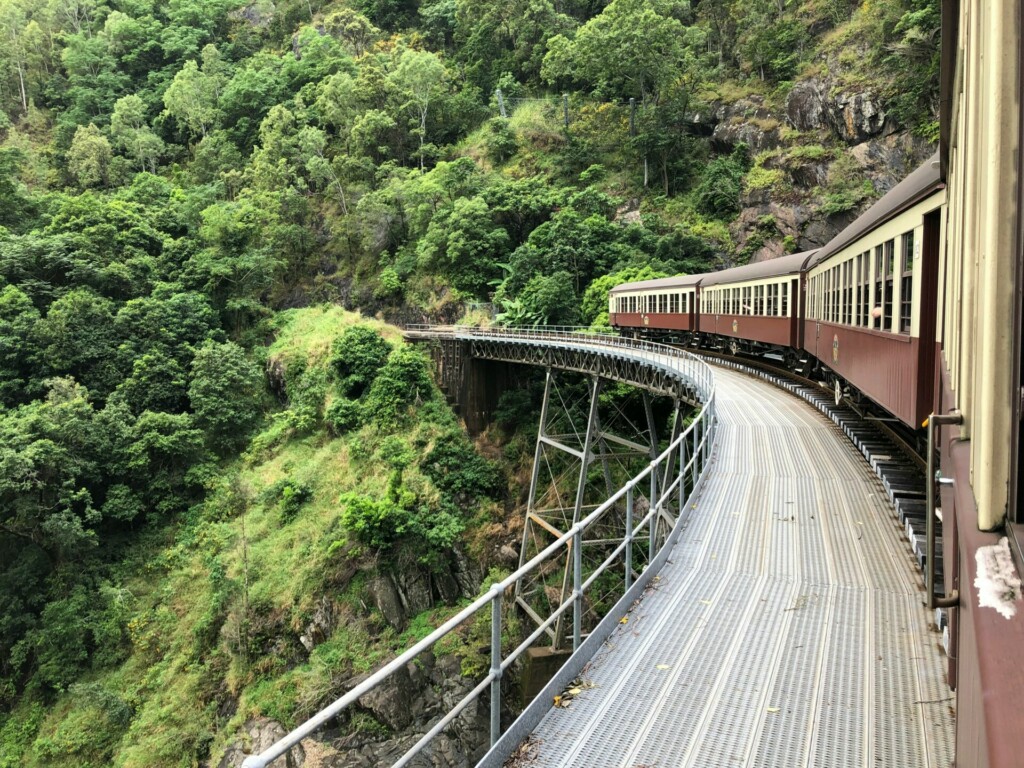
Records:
x=786, y=627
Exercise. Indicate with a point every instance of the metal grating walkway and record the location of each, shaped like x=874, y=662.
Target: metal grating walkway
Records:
x=787, y=630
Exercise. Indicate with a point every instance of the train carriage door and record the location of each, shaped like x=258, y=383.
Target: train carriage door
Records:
x=791, y=307
x=926, y=317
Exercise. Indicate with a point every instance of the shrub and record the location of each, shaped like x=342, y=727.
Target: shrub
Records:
x=718, y=193
x=457, y=470
x=356, y=357
x=501, y=140
x=343, y=415
x=374, y=522
x=403, y=381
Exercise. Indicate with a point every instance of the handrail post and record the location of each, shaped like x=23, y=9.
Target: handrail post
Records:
x=577, y=578
x=496, y=593
x=629, y=538
x=695, y=472
x=931, y=477
x=653, y=530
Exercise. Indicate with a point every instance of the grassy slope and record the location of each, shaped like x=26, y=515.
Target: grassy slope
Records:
x=171, y=700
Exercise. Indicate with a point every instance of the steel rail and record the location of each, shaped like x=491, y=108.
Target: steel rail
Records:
x=701, y=434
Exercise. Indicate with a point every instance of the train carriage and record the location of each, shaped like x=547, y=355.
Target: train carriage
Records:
x=871, y=298
x=666, y=306
x=756, y=305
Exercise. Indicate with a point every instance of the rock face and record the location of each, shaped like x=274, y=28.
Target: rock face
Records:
x=261, y=734
x=747, y=120
x=386, y=723
x=854, y=117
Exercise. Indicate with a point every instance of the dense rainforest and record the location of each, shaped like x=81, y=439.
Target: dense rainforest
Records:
x=227, y=488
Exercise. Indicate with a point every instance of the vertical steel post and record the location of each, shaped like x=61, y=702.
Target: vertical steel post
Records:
x=535, y=476
x=577, y=579
x=581, y=487
x=653, y=530
x=629, y=537
x=495, y=663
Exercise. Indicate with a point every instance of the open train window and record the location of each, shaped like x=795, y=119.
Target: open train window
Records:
x=877, y=288
x=890, y=248
x=906, y=281
x=865, y=280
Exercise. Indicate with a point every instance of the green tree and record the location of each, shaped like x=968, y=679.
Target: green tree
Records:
x=191, y=99
x=420, y=77
x=226, y=392
x=77, y=339
x=89, y=157
x=356, y=357
x=131, y=132
x=463, y=243
x=19, y=351
x=633, y=48
x=497, y=36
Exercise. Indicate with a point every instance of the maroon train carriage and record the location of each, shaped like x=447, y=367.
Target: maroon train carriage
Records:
x=665, y=308
x=871, y=297
x=756, y=306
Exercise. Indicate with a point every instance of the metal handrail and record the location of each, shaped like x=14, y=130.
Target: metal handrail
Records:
x=698, y=438
x=933, y=476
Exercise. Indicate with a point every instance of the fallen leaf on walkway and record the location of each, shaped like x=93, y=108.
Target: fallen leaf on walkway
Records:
x=624, y=620
x=773, y=710
x=705, y=602
x=662, y=666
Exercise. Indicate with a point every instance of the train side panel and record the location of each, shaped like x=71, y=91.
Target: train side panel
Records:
x=868, y=318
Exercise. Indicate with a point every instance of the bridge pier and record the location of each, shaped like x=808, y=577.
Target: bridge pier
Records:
x=472, y=384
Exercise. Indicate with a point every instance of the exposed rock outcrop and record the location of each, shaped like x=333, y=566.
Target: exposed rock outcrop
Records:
x=853, y=116
x=385, y=724
x=747, y=120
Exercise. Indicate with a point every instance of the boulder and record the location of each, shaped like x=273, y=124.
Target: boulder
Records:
x=818, y=104
x=260, y=734
x=321, y=625
x=392, y=702
x=387, y=600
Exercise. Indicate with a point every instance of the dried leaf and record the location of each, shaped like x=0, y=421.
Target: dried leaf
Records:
x=624, y=620
x=773, y=710
x=662, y=666
x=575, y=691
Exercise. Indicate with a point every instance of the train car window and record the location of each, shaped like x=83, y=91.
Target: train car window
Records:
x=876, y=292
x=848, y=292
x=865, y=279
x=890, y=247
x=784, y=308
x=858, y=276
x=834, y=315
x=907, y=282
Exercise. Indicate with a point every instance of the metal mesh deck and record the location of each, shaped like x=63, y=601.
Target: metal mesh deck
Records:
x=788, y=629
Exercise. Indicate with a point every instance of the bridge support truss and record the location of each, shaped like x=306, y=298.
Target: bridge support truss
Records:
x=584, y=452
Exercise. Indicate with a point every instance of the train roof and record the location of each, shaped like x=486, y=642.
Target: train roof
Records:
x=908, y=193
x=679, y=281
x=783, y=265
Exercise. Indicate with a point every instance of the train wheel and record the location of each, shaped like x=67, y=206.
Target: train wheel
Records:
x=734, y=347
x=838, y=391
